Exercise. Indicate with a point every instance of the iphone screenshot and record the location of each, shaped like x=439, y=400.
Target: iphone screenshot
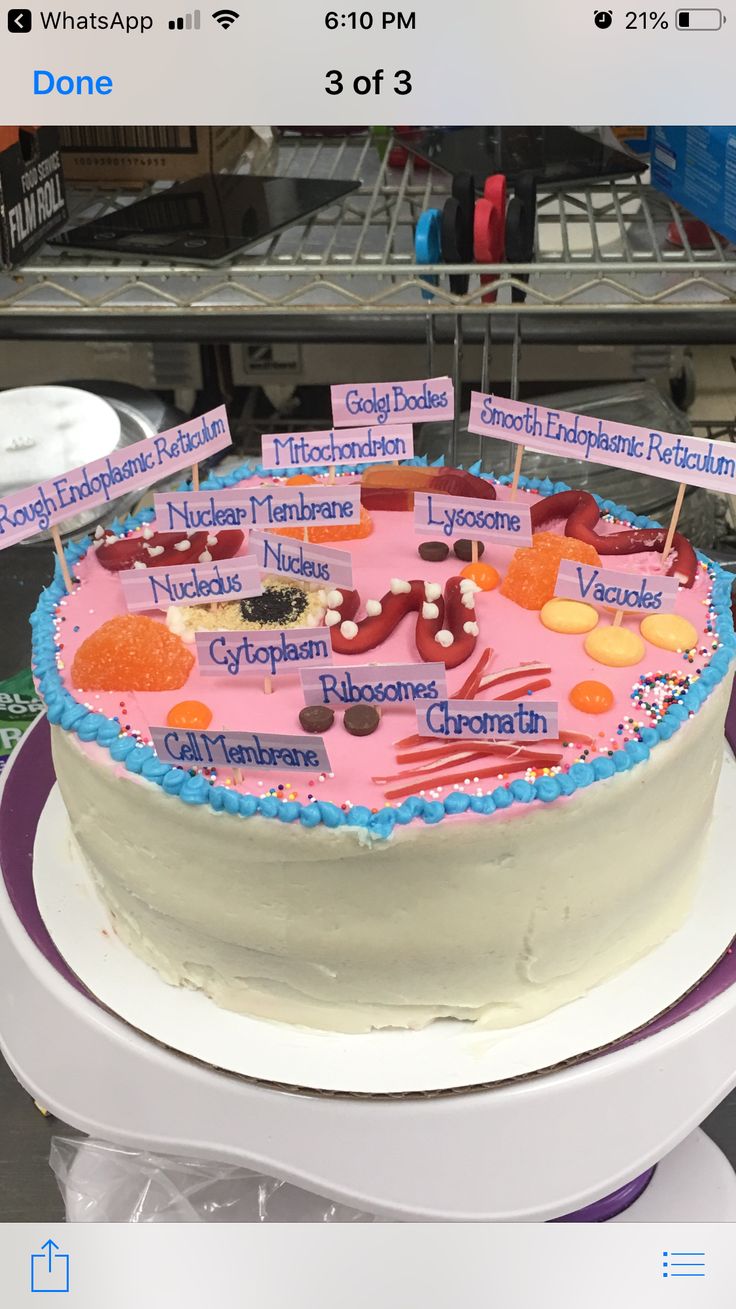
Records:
x=367, y=566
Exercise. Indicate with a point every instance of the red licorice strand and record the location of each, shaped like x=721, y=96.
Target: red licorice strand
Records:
x=464, y=692
x=540, y=685
x=449, y=779
x=447, y=759
x=511, y=674
x=441, y=751
x=468, y=761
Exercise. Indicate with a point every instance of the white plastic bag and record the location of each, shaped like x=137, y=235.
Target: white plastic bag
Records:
x=103, y=1183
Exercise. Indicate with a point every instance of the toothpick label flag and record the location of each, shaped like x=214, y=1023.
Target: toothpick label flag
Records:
x=690, y=459
x=262, y=506
x=505, y=522
x=269, y=652
x=379, y=403
x=309, y=563
x=525, y=720
x=327, y=449
x=614, y=589
x=40, y=507
x=249, y=750
x=383, y=685
x=190, y=584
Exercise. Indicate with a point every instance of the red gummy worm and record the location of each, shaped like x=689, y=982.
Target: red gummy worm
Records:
x=581, y=514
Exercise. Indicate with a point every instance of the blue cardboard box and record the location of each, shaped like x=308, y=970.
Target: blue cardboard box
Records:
x=696, y=166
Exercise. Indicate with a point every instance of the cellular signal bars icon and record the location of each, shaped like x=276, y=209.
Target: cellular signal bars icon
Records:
x=188, y=23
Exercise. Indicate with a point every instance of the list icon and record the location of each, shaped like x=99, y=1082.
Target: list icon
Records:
x=683, y=1263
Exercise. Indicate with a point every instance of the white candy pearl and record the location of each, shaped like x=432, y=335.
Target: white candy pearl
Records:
x=472, y=629
x=183, y=545
x=399, y=586
x=349, y=631
x=335, y=599
x=430, y=610
x=432, y=591
x=205, y=557
x=332, y=618
x=468, y=600
x=373, y=608
x=138, y=564
x=444, y=638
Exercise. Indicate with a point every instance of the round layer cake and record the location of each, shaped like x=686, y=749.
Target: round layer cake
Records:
x=416, y=879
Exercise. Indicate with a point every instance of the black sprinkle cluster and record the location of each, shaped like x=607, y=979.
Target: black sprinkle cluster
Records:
x=279, y=606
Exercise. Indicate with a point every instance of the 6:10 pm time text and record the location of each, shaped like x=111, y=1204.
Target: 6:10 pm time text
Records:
x=364, y=20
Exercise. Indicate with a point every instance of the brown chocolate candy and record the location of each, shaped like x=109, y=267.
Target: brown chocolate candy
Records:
x=361, y=720
x=464, y=550
x=433, y=551
x=316, y=718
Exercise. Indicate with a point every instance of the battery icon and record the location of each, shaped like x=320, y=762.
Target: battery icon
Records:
x=698, y=20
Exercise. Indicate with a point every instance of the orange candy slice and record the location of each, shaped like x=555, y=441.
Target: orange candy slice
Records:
x=532, y=573
x=132, y=653
x=591, y=697
x=484, y=575
x=190, y=713
x=327, y=532
x=391, y=477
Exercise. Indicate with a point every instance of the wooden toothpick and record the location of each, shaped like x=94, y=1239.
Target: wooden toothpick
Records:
x=56, y=537
x=517, y=470
x=673, y=521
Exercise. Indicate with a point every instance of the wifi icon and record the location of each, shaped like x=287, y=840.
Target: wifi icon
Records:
x=226, y=17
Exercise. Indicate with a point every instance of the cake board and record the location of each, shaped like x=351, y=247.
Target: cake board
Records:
x=527, y=1150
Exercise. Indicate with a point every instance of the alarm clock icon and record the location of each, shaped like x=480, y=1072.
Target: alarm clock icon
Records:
x=603, y=17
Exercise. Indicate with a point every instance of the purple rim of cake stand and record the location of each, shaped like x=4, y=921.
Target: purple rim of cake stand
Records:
x=27, y=788
x=611, y=1205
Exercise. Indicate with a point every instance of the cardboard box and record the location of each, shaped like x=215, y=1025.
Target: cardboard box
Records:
x=135, y=156
x=32, y=198
x=696, y=166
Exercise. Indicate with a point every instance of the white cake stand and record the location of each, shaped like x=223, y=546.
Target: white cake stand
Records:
x=531, y=1150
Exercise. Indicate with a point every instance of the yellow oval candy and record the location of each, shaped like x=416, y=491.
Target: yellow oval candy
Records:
x=618, y=647
x=568, y=616
x=669, y=631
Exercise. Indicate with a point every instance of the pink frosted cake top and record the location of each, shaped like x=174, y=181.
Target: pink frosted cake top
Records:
x=378, y=774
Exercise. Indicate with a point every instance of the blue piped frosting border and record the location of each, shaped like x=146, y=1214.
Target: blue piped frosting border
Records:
x=64, y=710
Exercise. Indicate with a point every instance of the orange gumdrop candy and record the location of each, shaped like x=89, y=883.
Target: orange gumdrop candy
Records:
x=132, y=653
x=484, y=575
x=532, y=573
x=591, y=697
x=190, y=713
x=301, y=479
x=332, y=531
